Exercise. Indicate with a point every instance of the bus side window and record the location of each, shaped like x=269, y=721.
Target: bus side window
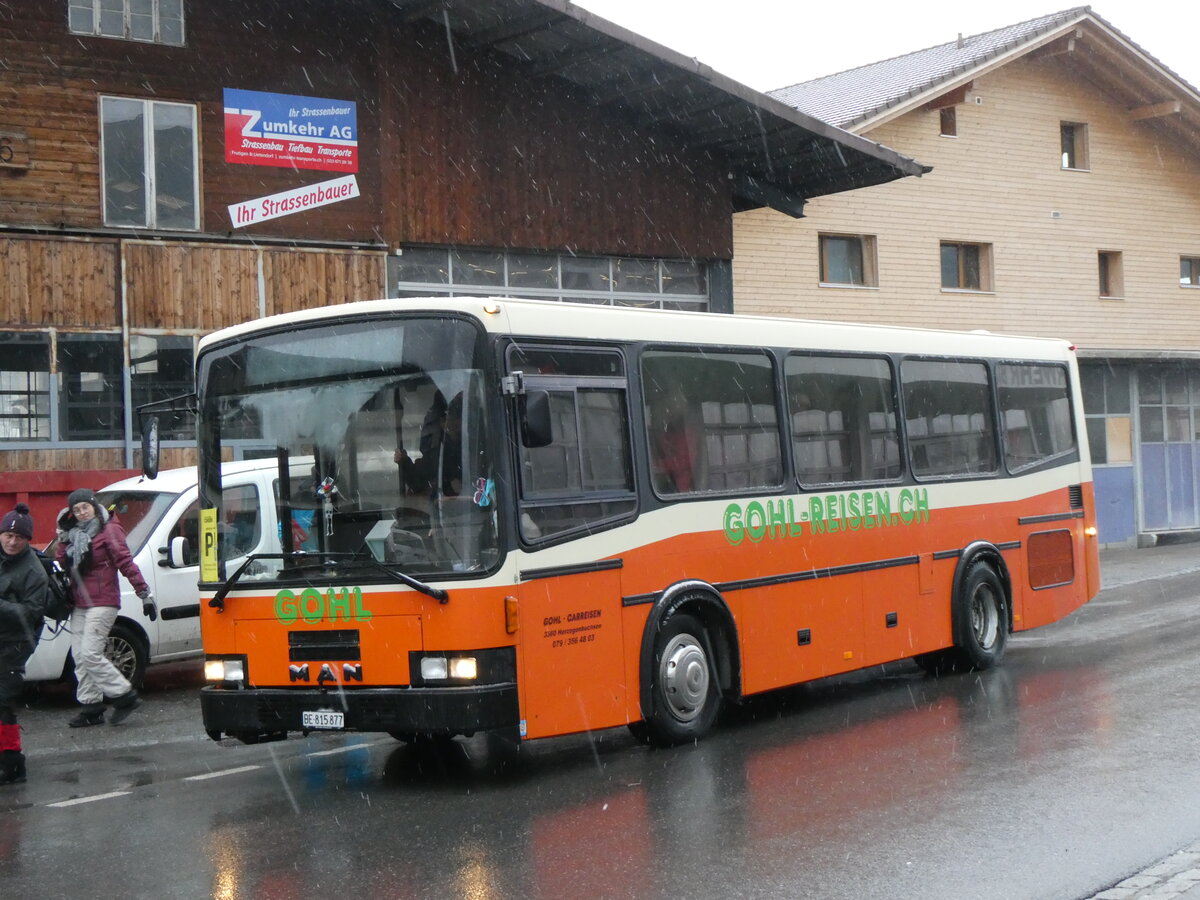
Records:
x=711, y=421
x=843, y=419
x=582, y=479
x=948, y=409
x=1035, y=405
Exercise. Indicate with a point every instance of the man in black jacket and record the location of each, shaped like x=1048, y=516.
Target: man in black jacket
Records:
x=23, y=583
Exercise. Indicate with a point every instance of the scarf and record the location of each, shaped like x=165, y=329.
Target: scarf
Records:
x=79, y=540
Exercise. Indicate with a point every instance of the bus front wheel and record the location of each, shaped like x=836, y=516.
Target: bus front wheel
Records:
x=683, y=694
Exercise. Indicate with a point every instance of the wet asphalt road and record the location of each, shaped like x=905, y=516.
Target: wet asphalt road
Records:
x=1055, y=776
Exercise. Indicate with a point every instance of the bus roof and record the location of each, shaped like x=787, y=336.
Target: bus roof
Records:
x=549, y=318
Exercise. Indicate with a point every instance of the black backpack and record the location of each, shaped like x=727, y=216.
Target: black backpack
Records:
x=58, y=595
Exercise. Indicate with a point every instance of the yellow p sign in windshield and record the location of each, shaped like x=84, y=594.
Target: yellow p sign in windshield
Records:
x=208, y=545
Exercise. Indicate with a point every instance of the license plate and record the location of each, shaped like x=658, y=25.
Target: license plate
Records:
x=322, y=718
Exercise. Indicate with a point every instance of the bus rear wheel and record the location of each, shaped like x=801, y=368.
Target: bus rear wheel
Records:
x=984, y=612
x=981, y=614
x=981, y=632
x=683, y=694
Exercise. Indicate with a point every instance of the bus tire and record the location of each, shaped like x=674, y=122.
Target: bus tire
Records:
x=982, y=619
x=683, y=694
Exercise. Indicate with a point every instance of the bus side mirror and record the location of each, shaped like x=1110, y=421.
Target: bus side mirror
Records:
x=178, y=555
x=150, y=446
x=535, y=419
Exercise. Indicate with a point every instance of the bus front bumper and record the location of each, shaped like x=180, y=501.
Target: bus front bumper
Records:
x=258, y=712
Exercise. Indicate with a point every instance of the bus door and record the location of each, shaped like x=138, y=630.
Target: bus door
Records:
x=571, y=659
x=575, y=481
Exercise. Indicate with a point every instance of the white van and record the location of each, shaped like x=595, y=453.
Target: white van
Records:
x=153, y=513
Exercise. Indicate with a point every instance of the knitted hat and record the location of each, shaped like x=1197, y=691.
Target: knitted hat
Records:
x=19, y=521
x=83, y=495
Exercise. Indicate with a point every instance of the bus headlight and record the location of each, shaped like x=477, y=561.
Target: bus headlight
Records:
x=228, y=670
x=463, y=667
x=440, y=668
x=434, y=668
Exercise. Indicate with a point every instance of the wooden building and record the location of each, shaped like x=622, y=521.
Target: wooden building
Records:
x=168, y=167
x=1064, y=201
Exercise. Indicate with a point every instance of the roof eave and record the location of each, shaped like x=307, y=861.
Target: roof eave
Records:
x=767, y=146
x=890, y=165
x=920, y=98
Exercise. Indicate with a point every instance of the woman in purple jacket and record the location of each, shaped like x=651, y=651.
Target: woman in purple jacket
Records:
x=92, y=547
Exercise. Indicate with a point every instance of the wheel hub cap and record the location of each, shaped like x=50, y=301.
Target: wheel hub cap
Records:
x=684, y=677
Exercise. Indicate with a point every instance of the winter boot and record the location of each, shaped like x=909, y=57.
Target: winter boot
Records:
x=90, y=714
x=123, y=706
x=12, y=767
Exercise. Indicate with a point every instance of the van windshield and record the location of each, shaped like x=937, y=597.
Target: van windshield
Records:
x=138, y=512
x=380, y=428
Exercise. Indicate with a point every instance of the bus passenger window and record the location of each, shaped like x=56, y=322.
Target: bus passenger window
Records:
x=948, y=414
x=843, y=419
x=711, y=422
x=1035, y=406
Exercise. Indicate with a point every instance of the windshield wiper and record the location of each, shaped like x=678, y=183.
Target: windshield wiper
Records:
x=218, y=600
x=438, y=594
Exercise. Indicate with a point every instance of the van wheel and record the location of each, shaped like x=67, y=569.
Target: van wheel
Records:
x=683, y=694
x=125, y=649
x=127, y=652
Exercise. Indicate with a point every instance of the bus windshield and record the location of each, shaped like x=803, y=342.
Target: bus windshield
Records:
x=381, y=433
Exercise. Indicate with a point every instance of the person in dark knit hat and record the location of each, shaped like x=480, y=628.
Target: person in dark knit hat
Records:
x=92, y=547
x=23, y=584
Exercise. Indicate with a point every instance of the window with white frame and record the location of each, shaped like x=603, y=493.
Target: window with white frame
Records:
x=153, y=21
x=848, y=259
x=610, y=281
x=148, y=152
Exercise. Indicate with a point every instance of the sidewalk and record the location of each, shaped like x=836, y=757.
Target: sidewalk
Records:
x=1178, y=876
x=1175, y=878
x=1124, y=566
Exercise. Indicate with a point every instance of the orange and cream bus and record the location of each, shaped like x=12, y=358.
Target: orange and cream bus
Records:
x=547, y=518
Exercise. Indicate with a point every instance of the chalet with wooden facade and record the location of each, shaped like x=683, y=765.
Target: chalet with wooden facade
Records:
x=1064, y=201
x=168, y=167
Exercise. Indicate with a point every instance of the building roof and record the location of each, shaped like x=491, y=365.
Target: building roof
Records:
x=776, y=155
x=861, y=98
